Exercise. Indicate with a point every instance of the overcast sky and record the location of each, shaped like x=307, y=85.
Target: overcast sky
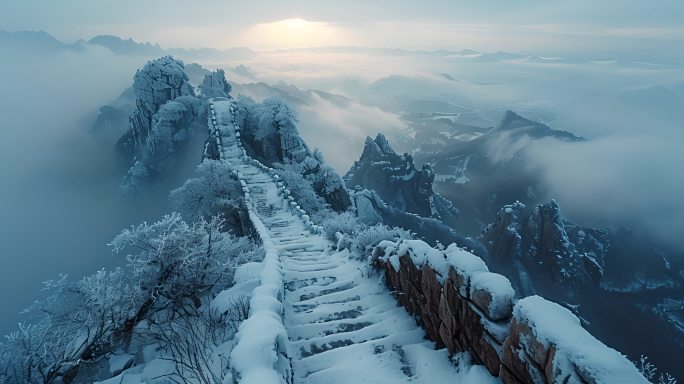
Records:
x=641, y=30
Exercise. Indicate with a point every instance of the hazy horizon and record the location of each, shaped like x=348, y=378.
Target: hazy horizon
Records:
x=621, y=29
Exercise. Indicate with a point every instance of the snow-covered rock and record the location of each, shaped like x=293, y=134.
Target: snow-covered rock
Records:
x=398, y=182
x=493, y=294
x=533, y=341
x=172, y=126
x=551, y=250
x=547, y=344
x=215, y=85
x=158, y=82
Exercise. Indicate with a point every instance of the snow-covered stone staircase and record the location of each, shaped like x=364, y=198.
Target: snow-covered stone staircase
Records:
x=343, y=326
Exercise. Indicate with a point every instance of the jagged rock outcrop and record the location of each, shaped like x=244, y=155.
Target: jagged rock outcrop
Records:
x=368, y=206
x=546, y=243
x=502, y=238
x=269, y=129
x=548, y=248
x=174, y=124
x=215, y=85
x=158, y=82
x=398, y=182
x=171, y=125
x=165, y=119
x=269, y=133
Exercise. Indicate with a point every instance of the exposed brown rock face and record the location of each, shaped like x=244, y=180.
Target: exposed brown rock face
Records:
x=450, y=320
x=457, y=313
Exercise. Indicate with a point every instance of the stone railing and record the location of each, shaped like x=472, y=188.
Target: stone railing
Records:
x=260, y=355
x=466, y=308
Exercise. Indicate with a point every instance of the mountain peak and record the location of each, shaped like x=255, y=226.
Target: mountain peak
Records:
x=383, y=144
x=511, y=119
x=124, y=46
x=519, y=125
x=39, y=40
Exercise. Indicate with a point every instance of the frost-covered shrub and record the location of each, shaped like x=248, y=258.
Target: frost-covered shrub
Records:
x=344, y=223
x=650, y=372
x=138, y=179
x=174, y=268
x=211, y=192
x=191, y=341
x=302, y=190
x=366, y=238
x=175, y=263
x=72, y=323
x=349, y=233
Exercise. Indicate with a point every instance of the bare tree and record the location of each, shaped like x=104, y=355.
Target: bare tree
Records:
x=190, y=342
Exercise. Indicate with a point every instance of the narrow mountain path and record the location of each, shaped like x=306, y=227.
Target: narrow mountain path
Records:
x=343, y=327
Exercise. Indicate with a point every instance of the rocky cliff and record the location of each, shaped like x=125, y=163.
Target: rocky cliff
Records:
x=398, y=182
x=112, y=119
x=158, y=82
x=165, y=121
x=540, y=247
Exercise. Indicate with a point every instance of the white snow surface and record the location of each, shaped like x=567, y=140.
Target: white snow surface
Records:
x=499, y=290
x=317, y=305
x=246, y=279
x=464, y=262
x=118, y=362
x=577, y=349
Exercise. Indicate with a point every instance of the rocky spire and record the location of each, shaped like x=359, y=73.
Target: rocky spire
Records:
x=215, y=84
x=158, y=82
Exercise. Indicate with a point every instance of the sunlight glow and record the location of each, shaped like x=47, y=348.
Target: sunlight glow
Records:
x=295, y=33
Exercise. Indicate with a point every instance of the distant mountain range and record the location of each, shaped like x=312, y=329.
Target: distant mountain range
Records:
x=41, y=41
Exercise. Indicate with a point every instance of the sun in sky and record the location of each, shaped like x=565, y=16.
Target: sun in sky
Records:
x=296, y=33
